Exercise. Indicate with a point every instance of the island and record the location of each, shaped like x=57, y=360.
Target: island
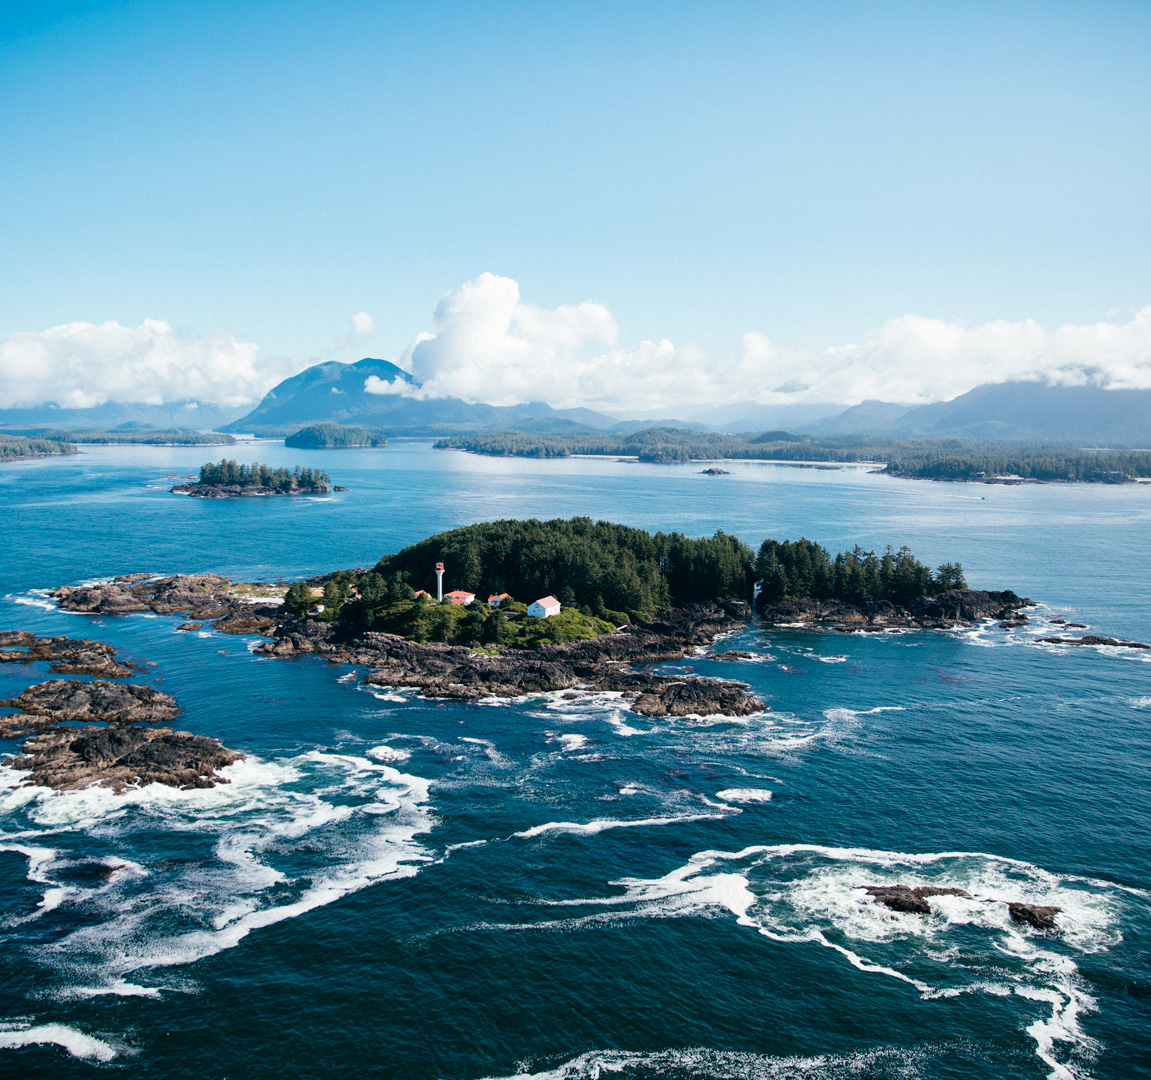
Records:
x=228, y=479
x=567, y=605
x=330, y=436
x=16, y=447
x=906, y=458
x=80, y=733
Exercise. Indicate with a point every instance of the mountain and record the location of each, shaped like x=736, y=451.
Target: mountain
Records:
x=866, y=418
x=749, y=416
x=1009, y=412
x=1033, y=411
x=339, y=392
x=194, y=415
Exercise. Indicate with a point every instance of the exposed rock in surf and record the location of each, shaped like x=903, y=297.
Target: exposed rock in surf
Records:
x=122, y=756
x=731, y=654
x=714, y=471
x=911, y=900
x=1039, y=916
x=187, y=627
x=960, y=607
x=65, y=656
x=70, y=700
x=1094, y=639
x=698, y=697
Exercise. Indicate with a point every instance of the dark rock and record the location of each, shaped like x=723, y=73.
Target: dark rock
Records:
x=608, y=662
x=911, y=900
x=1035, y=915
x=339, y=487
x=1075, y=625
x=98, y=599
x=65, y=758
x=715, y=472
x=59, y=700
x=1094, y=639
x=732, y=654
x=188, y=626
x=66, y=656
x=232, y=491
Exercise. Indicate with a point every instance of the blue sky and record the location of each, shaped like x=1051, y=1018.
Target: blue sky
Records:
x=808, y=172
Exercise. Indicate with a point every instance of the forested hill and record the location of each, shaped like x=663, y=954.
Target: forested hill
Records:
x=597, y=565
x=928, y=459
x=13, y=447
x=329, y=436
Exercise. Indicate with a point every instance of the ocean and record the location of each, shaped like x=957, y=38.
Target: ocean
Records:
x=397, y=887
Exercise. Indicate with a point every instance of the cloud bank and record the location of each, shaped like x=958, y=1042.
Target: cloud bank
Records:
x=81, y=364
x=489, y=345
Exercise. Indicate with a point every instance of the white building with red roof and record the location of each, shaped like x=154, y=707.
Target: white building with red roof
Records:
x=496, y=599
x=458, y=596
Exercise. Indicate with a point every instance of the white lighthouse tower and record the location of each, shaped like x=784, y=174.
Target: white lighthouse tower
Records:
x=439, y=583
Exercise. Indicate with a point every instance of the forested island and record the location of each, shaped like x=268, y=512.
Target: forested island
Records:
x=15, y=447
x=630, y=599
x=923, y=459
x=224, y=479
x=331, y=436
x=146, y=437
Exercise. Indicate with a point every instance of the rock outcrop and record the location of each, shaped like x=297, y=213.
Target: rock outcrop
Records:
x=232, y=491
x=71, y=700
x=122, y=756
x=65, y=656
x=960, y=607
x=1094, y=639
x=913, y=901
x=204, y=597
x=615, y=662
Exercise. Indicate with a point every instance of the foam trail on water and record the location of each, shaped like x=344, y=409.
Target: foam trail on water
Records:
x=79, y=1045
x=590, y=828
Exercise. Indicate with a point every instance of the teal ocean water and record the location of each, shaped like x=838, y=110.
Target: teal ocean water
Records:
x=392, y=887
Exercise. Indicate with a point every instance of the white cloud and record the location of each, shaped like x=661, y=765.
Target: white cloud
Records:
x=489, y=345
x=82, y=364
x=363, y=324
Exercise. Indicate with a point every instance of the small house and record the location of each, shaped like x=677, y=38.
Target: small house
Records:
x=423, y=592
x=497, y=599
x=544, y=608
x=458, y=596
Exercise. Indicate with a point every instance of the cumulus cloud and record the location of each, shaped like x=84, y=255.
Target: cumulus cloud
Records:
x=82, y=364
x=489, y=345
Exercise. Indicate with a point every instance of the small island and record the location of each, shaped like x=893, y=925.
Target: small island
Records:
x=329, y=436
x=568, y=605
x=227, y=479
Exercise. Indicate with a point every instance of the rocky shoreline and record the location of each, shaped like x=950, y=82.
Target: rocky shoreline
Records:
x=80, y=733
x=611, y=662
x=231, y=491
x=959, y=607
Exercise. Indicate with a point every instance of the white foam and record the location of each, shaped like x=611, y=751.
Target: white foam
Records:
x=744, y=795
x=704, y=1062
x=389, y=753
x=79, y=1045
x=572, y=742
x=591, y=828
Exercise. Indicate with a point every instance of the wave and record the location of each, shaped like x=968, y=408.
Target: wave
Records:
x=16, y=1035
x=814, y=894
x=744, y=795
x=706, y=1064
x=158, y=878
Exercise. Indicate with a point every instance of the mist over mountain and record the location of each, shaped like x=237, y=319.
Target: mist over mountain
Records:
x=194, y=415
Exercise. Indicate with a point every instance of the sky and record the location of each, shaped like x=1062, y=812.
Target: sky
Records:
x=626, y=206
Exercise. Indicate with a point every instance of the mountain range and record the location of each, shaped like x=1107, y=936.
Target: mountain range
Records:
x=380, y=395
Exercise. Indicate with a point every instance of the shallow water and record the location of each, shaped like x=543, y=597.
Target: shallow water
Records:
x=398, y=887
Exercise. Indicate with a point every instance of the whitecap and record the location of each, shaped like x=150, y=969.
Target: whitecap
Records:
x=744, y=795
x=16, y=1035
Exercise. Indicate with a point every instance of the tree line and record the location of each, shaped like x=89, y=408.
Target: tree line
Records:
x=802, y=569
x=232, y=473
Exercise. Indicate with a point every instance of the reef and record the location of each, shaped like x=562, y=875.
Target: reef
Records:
x=913, y=901
x=81, y=733
x=65, y=656
x=1094, y=639
x=944, y=611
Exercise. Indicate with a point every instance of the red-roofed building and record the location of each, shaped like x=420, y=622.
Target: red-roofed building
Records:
x=496, y=599
x=458, y=596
